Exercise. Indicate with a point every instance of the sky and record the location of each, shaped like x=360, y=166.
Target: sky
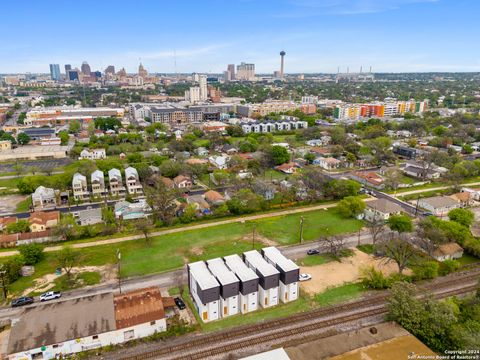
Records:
x=206, y=35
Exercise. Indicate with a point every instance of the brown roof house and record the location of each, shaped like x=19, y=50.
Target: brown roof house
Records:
x=41, y=221
x=72, y=326
x=214, y=197
x=182, y=182
x=448, y=251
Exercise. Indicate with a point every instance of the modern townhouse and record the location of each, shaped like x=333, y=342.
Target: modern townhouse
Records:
x=204, y=290
x=249, y=280
x=229, y=287
x=134, y=187
x=97, y=180
x=80, y=187
x=116, y=183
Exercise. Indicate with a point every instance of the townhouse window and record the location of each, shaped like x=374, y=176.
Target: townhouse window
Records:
x=152, y=322
x=95, y=337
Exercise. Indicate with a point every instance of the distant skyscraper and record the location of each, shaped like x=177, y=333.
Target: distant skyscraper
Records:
x=55, y=71
x=72, y=75
x=142, y=72
x=86, y=68
x=245, y=72
x=202, y=81
x=110, y=70
x=68, y=67
x=231, y=69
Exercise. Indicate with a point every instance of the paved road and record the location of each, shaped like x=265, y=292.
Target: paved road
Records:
x=403, y=193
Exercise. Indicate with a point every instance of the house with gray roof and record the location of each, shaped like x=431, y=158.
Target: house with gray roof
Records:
x=116, y=183
x=43, y=197
x=381, y=210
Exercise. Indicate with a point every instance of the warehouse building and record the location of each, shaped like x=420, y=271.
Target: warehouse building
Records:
x=269, y=278
x=205, y=291
x=229, y=287
x=289, y=273
x=248, y=294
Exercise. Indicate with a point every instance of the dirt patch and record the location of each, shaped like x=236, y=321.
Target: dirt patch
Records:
x=9, y=203
x=261, y=239
x=108, y=274
x=348, y=270
x=196, y=250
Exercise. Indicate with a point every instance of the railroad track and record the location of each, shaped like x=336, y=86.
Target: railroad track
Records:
x=298, y=324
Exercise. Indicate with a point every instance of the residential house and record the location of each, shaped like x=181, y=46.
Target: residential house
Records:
x=131, y=211
x=420, y=172
x=264, y=189
x=381, y=210
x=168, y=182
x=214, y=198
x=229, y=149
x=94, y=154
x=182, y=182
x=41, y=220
x=220, y=162
x=204, y=290
x=405, y=151
x=80, y=187
x=116, y=183
x=289, y=273
x=201, y=151
x=287, y=168
x=369, y=178
x=88, y=216
x=449, y=251
x=202, y=206
x=97, y=180
x=438, y=205
x=134, y=187
x=328, y=163
x=98, y=320
x=43, y=198
x=474, y=193
x=7, y=220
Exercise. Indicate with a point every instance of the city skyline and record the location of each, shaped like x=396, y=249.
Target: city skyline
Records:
x=318, y=36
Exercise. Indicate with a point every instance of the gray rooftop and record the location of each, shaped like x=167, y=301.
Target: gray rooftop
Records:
x=223, y=274
x=56, y=322
x=275, y=256
x=235, y=263
x=202, y=275
x=384, y=206
x=439, y=201
x=259, y=263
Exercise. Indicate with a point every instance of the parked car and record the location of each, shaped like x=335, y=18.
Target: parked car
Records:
x=304, y=277
x=24, y=300
x=179, y=302
x=50, y=295
x=313, y=252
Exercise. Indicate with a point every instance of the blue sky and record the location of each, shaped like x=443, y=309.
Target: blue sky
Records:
x=206, y=35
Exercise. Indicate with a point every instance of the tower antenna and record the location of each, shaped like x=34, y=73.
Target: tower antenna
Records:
x=175, y=62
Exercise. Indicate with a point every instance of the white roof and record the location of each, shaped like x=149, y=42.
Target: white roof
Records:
x=44, y=192
x=275, y=256
x=202, y=275
x=276, y=354
x=259, y=263
x=130, y=171
x=114, y=173
x=97, y=175
x=221, y=271
x=79, y=177
x=235, y=263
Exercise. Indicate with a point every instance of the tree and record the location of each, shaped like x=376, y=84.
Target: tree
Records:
x=21, y=226
x=161, y=199
x=400, y=223
x=66, y=227
x=393, y=178
x=278, y=155
x=376, y=227
x=464, y=217
x=23, y=139
x=64, y=137
x=332, y=245
x=234, y=130
x=19, y=169
x=399, y=251
x=67, y=258
x=145, y=227
x=351, y=206
x=309, y=157
x=32, y=253
x=74, y=127
x=12, y=267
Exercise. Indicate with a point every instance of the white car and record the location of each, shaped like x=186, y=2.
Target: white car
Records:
x=50, y=295
x=304, y=277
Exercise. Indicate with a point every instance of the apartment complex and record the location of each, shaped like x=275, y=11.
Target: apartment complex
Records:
x=266, y=108
x=245, y=72
x=380, y=109
x=64, y=115
x=289, y=273
x=287, y=124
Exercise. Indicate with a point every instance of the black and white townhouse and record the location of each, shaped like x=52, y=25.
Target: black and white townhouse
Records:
x=205, y=291
x=229, y=286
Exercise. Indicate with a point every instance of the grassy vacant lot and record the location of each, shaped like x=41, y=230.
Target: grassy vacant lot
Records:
x=172, y=251
x=339, y=294
x=24, y=205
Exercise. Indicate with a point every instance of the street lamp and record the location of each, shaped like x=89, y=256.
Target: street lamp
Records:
x=119, y=257
x=302, y=219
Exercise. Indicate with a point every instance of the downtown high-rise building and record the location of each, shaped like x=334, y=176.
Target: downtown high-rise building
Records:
x=86, y=68
x=110, y=70
x=55, y=72
x=68, y=67
x=202, y=84
x=245, y=72
x=231, y=70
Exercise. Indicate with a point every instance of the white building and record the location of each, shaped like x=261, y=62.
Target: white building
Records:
x=248, y=283
x=381, y=210
x=94, y=154
x=43, y=197
x=80, y=187
x=289, y=273
x=134, y=187
x=272, y=126
x=245, y=72
x=439, y=205
x=53, y=330
x=116, y=182
x=220, y=162
x=193, y=94
x=202, y=83
x=269, y=278
x=229, y=287
x=97, y=180
x=205, y=291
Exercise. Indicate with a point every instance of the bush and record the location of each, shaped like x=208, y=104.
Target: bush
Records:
x=448, y=266
x=32, y=253
x=12, y=268
x=427, y=270
x=374, y=279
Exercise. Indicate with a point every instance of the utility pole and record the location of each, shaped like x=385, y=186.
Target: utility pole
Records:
x=253, y=236
x=416, y=207
x=358, y=237
x=302, y=219
x=119, y=257
x=4, y=287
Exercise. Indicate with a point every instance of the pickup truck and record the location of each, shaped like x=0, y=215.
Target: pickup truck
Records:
x=50, y=295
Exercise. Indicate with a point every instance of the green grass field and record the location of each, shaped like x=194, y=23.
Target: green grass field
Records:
x=24, y=205
x=312, y=260
x=339, y=294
